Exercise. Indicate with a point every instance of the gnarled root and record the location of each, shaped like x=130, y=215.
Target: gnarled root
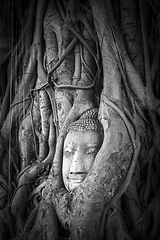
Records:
x=42, y=224
x=153, y=211
x=115, y=228
x=20, y=199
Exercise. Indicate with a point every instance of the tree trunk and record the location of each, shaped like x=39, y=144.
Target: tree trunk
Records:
x=68, y=57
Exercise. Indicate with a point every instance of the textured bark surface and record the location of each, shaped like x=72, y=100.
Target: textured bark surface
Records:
x=58, y=60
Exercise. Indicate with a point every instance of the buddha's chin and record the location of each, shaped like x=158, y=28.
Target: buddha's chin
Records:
x=73, y=184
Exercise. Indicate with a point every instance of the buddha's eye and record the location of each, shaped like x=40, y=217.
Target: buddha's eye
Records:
x=68, y=151
x=91, y=150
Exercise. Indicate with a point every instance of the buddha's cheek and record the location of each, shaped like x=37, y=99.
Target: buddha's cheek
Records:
x=88, y=162
x=66, y=170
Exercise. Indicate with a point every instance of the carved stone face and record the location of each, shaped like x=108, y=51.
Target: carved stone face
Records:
x=80, y=149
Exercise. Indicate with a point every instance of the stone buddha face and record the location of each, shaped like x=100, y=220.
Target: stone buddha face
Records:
x=80, y=148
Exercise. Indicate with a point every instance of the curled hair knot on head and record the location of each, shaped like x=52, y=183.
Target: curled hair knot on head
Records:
x=88, y=121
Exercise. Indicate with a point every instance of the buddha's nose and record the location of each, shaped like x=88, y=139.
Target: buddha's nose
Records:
x=77, y=165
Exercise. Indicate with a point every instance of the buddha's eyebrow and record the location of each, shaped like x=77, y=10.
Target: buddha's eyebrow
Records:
x=94, y=144
x=69, y=146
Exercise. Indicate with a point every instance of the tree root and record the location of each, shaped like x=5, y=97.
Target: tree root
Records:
x=136, y=148
x=6, y=220
x=153, y=210
x=43, y=225
x=117, y=228
x=21, y=196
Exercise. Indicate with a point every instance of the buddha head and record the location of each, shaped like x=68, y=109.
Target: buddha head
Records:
x=83, y=140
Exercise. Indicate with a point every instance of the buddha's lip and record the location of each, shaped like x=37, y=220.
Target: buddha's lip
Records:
x=77, y=178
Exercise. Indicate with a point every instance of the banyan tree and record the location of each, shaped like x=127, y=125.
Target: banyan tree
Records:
x=60, y=60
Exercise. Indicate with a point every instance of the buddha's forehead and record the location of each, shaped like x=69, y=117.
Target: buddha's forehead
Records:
x=82, y=137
